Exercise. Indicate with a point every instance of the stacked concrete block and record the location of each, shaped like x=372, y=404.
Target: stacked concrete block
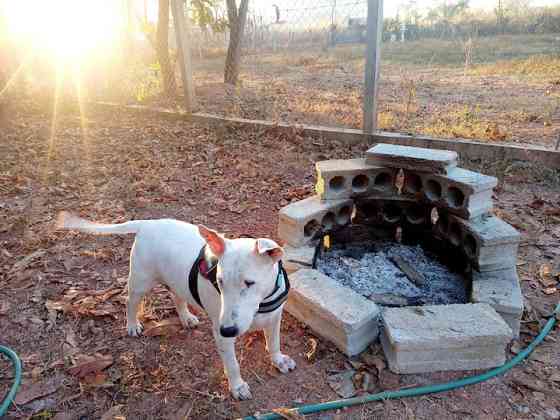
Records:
x=300, y=222
x=462, y=192
x=444, y=337
x=339, y=179
x=333, y=311
x=412, y=158
x=393, y=211
x=400, y=188
x=488, y=242
x=296, y=258
x=501, y=290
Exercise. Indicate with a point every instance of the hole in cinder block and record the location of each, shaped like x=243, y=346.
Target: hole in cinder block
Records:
x=412, y=183
x=344, y=215
x=433, y=190
x=360, y=183
x=455, y=233
x=383, y=181
x=329, y=220
x=470, y=245
x=367, y=210
x=415, y=214
x=311, y=228
x=391, y=213
x=337, y=183
x=455, y=197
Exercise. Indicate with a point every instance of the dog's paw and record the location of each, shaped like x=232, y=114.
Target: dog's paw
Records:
x=241, y=391
x=135, y=330
x=283, y=363
x=189, y=320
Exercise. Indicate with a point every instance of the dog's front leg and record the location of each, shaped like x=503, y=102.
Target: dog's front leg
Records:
x=282, y=362
x=226, y=347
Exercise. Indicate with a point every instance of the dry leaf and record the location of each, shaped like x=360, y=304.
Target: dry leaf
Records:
x=545, y=276
x=26, y=261
x=90, y=364
x=343, y=383
x=550, y=290
x=555, y=211
x=97, y=379
x=114, y=413
x=36, y=373
x=312, y=353
x=38, y=390
x=4, y=307
x=288, y=413
x=166, y=327
x=71, y=337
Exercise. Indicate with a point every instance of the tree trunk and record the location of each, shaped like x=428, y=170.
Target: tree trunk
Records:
x=237, y=19
x=162, y=50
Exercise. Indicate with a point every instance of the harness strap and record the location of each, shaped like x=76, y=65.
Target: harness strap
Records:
x=207, y=268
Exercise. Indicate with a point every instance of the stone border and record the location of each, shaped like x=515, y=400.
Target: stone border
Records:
x=486, y=243
x=473, y=149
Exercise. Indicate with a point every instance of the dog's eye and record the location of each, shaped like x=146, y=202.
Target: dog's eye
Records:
x=249, y=283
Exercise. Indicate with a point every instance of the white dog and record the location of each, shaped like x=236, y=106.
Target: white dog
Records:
x=251, y=284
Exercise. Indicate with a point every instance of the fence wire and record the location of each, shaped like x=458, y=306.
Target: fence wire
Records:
x=446, y=70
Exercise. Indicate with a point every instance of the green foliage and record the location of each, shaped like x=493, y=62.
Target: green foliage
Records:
x=203, y=14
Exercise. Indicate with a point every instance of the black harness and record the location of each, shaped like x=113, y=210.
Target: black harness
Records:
x=207, y=267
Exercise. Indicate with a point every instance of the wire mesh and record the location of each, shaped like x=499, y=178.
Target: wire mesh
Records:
x=447, y=69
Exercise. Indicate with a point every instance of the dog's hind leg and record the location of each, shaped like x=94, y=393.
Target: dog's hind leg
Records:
x=139, y=284
x=187, y=318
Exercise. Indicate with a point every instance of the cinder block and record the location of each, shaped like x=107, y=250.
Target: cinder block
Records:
x=444, y=337
x=501, y=290
x=333, y=311
x=300, y=222
x=339, y=179
x=296, y=258
x=489, y=242
x=391, y=211
x=464, y=193
x=412, y=158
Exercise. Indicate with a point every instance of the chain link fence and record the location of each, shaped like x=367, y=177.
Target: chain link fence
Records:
x=446, y=70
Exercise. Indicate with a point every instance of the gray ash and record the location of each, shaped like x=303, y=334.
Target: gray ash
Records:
x=368, y=269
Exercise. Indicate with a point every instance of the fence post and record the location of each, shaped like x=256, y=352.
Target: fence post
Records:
x=182, y=28
x=374, y=36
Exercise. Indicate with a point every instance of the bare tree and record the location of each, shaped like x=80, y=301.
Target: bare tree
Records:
x=237, y=19
x=162, y=50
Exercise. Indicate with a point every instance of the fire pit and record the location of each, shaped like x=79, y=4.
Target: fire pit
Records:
x=415, y=251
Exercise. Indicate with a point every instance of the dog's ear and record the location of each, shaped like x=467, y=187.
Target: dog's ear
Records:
x=215, y=241
x=268, y=247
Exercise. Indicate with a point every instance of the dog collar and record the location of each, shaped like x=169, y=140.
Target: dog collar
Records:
x=207, y=266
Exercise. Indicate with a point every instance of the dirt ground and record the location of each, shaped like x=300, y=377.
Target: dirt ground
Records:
x=508, y=91
x=62, y=294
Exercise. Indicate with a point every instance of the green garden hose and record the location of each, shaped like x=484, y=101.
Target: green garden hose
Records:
x=16, y=363
x=423, y=390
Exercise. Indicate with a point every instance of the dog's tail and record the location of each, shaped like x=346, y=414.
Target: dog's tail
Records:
x=67, y=221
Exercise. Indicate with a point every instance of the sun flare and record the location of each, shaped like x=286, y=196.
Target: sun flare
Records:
x=67, y=30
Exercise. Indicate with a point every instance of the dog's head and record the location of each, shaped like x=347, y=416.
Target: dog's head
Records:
x=246, y=275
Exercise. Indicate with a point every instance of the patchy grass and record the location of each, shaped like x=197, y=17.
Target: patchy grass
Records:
x=538, y=65
x=465, y=122
x=440, y=52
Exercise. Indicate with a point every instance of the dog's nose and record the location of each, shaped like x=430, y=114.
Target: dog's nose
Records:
x=229, y=331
